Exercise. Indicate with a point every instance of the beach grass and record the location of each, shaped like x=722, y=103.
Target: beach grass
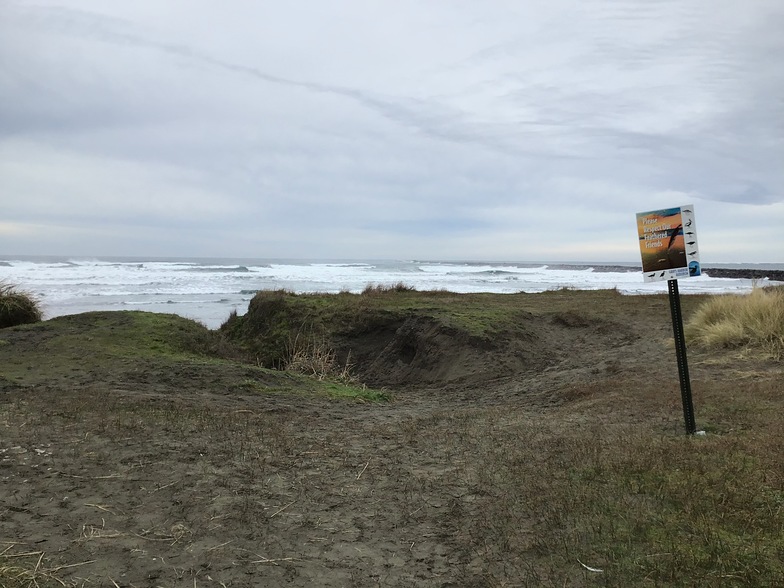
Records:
x=18, y=307
x=753, y=322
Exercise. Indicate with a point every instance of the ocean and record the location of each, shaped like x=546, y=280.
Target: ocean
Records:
x=208, y=290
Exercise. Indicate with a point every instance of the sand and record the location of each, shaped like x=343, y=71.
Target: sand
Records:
x=183, y=473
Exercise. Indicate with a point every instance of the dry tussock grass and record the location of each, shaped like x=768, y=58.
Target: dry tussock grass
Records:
x=17, y=307
x=23, y=568
x=753, y=322
x=314, y=357
x=380, y=289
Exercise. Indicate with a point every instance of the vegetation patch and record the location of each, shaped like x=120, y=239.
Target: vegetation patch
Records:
x=671, y=510
x=752, y=322
x=356, y=392
x=88, y=344
x=392, y=336
x=168, y=352
x=18, y=307
x=380, y=289
x=22, y=567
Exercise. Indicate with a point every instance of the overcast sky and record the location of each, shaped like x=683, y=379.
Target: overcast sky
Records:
x=495, y=130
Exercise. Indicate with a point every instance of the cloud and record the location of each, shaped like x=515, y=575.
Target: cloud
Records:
x=105, y=189
x=352, y=129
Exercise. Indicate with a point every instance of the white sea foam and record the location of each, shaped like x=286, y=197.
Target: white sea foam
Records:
x=208, y=290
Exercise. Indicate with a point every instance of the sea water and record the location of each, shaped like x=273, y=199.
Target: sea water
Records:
x=208, y=290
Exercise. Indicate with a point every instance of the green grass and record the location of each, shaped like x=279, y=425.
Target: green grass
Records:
x=125, y=346
x=127, y=334
x=657, y=508
x=320, y=312
x=102, y=342
x=275, y=319
x=353, y=392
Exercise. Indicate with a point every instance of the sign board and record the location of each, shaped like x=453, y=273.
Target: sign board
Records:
x=668, y=243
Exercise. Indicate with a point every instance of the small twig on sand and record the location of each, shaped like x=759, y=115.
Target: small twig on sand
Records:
x=164, y=538
x=101, y=507
x=74, y=565
x=162, y=487
x=281, y=509
x=359, y=475
x=10, y=555
x=589, y=568
x=38, y=565
x=265, y=560
x=109, y=477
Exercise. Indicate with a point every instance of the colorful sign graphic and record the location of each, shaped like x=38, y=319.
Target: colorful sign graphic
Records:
x=668, y=244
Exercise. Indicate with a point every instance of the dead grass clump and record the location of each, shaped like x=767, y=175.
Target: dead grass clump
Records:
x=314, y=357
x=17, y=307
x=754, y=321
x=378, y=289
x=21, y=568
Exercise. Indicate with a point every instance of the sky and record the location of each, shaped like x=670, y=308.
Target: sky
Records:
x=360, y=129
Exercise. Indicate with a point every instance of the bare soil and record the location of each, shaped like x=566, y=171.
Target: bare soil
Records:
x=161, y=470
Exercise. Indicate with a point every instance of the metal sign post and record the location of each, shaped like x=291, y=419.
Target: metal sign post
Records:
x=668, y=245
x=680, y=352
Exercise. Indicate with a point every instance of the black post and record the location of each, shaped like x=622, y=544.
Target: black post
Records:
x=680, y=352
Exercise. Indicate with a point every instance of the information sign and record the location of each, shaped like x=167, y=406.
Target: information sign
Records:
x=668, y=243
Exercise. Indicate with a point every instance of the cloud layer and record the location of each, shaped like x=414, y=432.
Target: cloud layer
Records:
x=441, y=130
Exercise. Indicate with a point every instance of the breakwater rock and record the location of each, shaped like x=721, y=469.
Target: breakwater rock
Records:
x=746, y=274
